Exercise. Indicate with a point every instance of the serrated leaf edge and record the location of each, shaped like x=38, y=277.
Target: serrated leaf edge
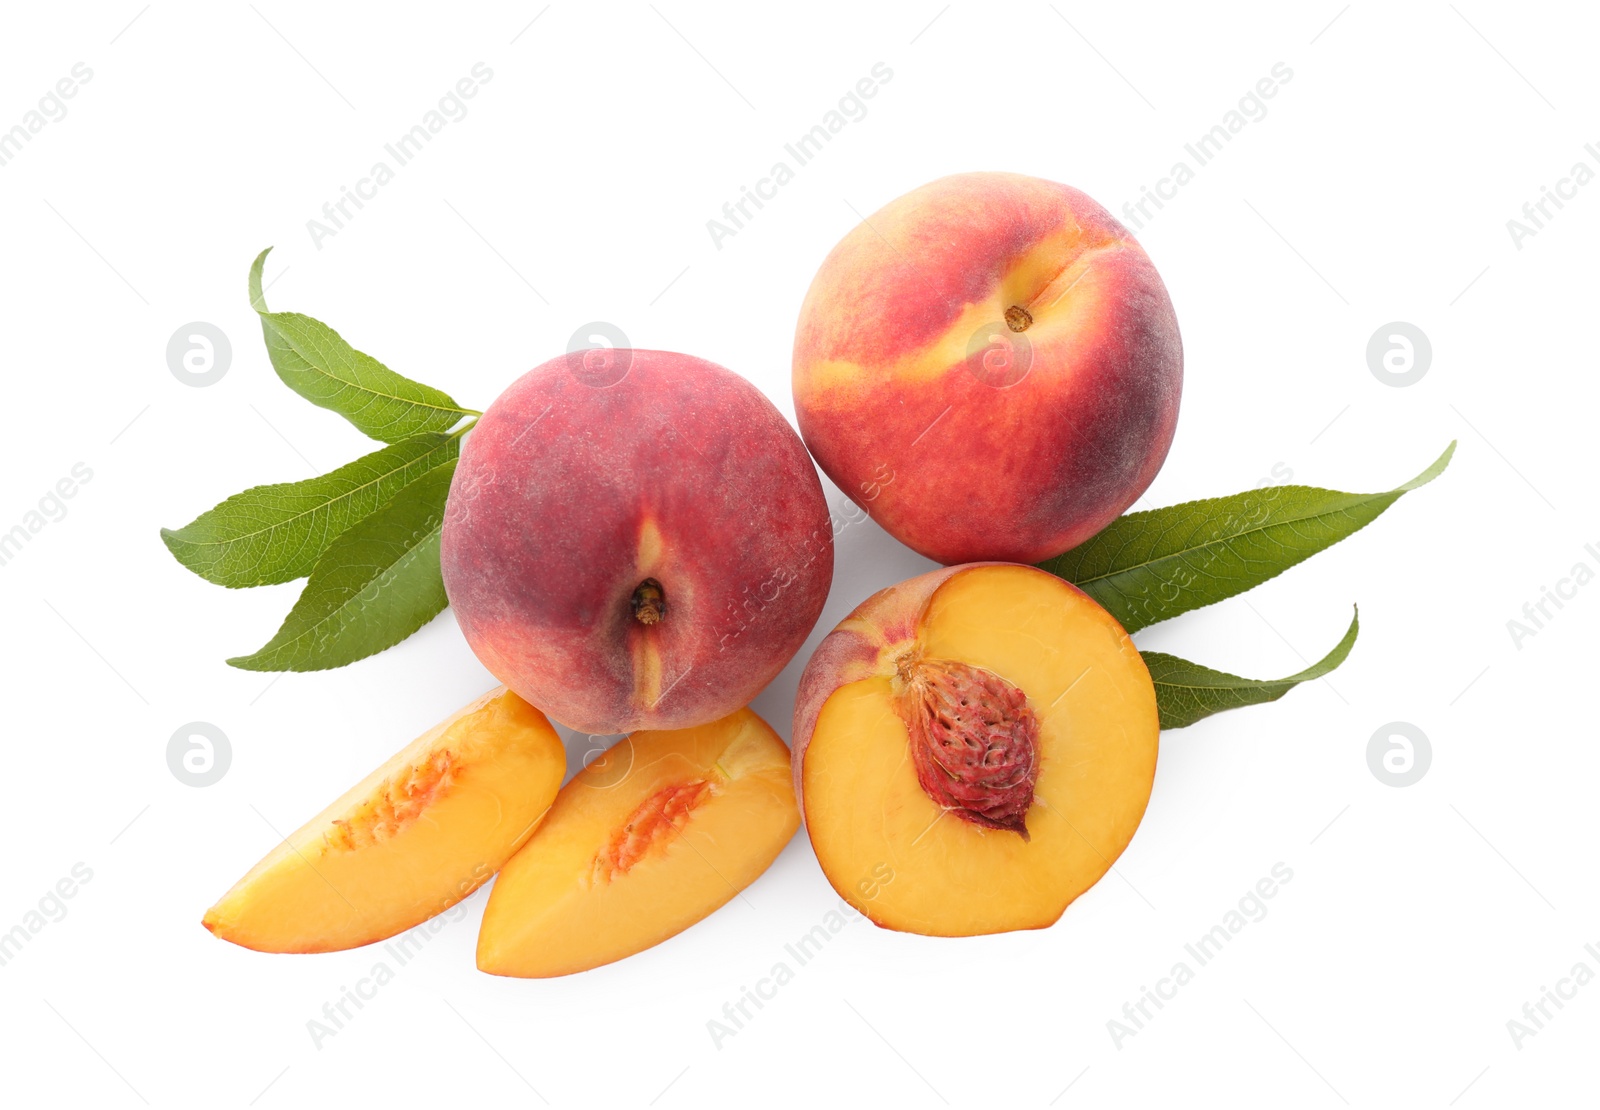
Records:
x=169, y=536
x=1322, y=667
x=271, y=648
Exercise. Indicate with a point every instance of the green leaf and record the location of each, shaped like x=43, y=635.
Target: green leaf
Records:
x=1146, y=567
x=1186, y=692
x=375, y=585
x=316, y=363
x=277, y=533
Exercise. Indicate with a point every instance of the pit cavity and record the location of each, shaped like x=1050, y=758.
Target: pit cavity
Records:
x=397, y=803
x=651, y=826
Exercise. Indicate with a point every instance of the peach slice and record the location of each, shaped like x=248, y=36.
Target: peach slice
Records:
x=410, y=840
x=641, y=844
x=986, y=734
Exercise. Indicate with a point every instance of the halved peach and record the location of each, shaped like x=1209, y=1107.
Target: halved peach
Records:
x=641, y=844
x=410, y=840
x=986, y=735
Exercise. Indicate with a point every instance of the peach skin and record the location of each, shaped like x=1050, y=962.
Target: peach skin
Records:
x=638, y=542
x=990, y=366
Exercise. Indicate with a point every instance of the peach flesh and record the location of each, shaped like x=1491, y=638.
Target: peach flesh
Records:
x=961, y=868
x=657, y=834
x=410, y=840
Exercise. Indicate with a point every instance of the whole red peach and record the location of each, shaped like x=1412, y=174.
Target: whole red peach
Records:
x=641, y=544
x=990, y=366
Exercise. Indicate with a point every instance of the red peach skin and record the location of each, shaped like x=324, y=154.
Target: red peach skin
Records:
x=965, y=436
x=570, y=495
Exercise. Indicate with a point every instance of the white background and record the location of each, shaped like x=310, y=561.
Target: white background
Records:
x=1377, y=188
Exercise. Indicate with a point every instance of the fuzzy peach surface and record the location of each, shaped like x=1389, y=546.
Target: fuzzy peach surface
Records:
x=963, y=436
x=571, y=493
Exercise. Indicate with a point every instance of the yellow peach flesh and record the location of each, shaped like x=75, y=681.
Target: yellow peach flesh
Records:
x=865, y=808
x=412, y=839
x=643, y=843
